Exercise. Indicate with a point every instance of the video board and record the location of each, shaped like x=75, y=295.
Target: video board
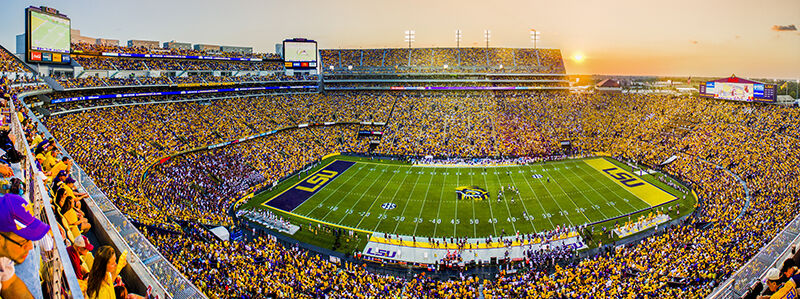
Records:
x=47, y=36
x=300, y=53
x=746, y=92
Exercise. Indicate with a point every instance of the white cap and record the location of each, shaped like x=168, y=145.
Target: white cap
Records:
x=773, y=274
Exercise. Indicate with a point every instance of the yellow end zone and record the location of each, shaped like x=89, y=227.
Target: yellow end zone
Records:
x=645, y=191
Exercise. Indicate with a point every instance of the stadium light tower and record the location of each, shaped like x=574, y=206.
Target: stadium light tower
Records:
x=458, y=38
x=409, y=39
x=488, y=34
x=534, y=37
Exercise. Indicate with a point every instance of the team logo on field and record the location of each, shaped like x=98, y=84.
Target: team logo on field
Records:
x=388, y=206
x=472, y=192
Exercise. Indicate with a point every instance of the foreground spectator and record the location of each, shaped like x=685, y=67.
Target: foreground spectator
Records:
x=18, y=230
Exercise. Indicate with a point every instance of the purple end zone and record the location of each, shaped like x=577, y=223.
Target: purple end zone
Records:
x=292, y=198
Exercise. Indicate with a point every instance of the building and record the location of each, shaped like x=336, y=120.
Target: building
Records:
x=148, y=44
x=207, y=48
x=239, y=50
x=76, y=37
x=608, y=86
x=107, y=42
x=177, y=45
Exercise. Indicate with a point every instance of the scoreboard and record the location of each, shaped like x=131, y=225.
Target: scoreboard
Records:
x=47, y=36
x=745, y=91
x=299, y=53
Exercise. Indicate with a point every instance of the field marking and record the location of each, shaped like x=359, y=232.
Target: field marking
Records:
x=340, y=200
x=377, y=196
x=295, y=184
x=616, y=193
x=553, y=198
x=536, y=196
x=570, y=199
x=647, y=192
x=523, y=204
x=329, y=195
x=458, y=183
x=410, y=193
x=474, y=225
x=393, y=198
x=587, y=197
x=355, y=203
x=494, y=227
x=513, y=226
x=439, y=210
x=422, y=207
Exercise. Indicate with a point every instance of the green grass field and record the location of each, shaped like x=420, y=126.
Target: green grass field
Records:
x=423, y=200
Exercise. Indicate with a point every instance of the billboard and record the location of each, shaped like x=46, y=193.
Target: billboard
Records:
x=299, y=54
x=47, y=35
x=748, y=91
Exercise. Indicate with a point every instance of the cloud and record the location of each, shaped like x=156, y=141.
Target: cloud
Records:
x=784, y=28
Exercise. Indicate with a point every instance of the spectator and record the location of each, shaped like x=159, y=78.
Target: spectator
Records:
x=80, y=254
x=18, y=229
x=104, y=275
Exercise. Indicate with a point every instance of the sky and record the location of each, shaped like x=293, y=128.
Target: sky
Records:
x=752, y=39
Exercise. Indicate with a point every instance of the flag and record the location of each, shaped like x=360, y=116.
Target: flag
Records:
x=689, y=82
x=785, y=84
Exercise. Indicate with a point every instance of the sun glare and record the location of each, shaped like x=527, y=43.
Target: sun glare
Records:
x=578, y=57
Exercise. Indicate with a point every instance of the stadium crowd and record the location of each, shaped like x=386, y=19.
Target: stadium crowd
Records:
x=443, y=60
x=116, y=146
x=644, y=128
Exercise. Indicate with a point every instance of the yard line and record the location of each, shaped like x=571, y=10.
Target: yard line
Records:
x=474, y=217
x=331, y=194
x=359, y=198
x=393, y=196
x=570, y=199
x=378, y=196
x=614, y=190
x=555, y=201
x=441, y=198
x=494, y=227
x=544, y=211
x=403, y=214
x=346, y=195
x=523, y=204
x=584, y=195
x=422, y=207
x=514, y=227
x=458, y=179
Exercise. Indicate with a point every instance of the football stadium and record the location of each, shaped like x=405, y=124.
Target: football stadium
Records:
x=299, y=156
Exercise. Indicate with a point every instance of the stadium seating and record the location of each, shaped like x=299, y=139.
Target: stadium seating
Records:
x=442, y=60
x=757, y=143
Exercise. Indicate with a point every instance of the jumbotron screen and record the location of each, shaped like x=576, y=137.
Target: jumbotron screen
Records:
x=746, y=92
x=48, y=36
x=300, y=54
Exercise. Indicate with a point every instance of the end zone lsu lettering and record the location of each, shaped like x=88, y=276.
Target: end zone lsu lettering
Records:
x=645, y=191
x=296, y=195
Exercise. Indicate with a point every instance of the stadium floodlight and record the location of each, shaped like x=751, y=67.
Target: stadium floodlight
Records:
x=534, y=37
x=488, y=34
x=410, y=39
x=458, y=38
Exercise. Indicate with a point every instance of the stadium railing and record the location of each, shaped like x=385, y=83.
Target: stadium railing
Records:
x=771, y=255
x=58, y=275
x=151, y=268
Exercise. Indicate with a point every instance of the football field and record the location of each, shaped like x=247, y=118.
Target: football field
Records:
x=475, y=202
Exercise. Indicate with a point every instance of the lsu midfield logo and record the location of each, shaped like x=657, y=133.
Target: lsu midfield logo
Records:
x=317, y=180
x=623, y=177
x=472, y=192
